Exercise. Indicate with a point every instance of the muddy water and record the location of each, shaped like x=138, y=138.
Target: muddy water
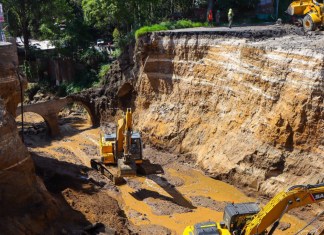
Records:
x=195, y=185
x=181, y=196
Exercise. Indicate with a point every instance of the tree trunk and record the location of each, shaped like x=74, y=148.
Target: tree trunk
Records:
x=24, y=28
x=25, y=33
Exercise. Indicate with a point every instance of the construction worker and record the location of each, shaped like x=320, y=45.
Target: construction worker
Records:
x=230, y=17
x=210, y=18
x=217, y=17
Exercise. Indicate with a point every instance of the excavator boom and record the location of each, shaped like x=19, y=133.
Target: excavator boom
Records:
x=247, y=219
x=296, y=196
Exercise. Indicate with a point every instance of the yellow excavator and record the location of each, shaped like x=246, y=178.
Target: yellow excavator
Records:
x=122, y=148
x=312, y=12
x=248, y=219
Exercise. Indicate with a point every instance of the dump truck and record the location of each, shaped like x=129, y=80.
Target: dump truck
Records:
x=123, y=149
x=310, y=12
x=249, y=219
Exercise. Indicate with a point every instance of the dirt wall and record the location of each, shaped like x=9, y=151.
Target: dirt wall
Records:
x=250, y=111
x=24, y=202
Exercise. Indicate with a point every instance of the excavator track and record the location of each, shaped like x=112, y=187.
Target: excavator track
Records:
x=100, y=167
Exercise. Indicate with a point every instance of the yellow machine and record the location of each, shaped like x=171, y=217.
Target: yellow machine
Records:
x=122, y=148
x=248, y=219
x=311, y=10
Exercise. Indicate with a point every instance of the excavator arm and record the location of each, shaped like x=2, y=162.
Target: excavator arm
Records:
x=126, y=165
x=296, y=196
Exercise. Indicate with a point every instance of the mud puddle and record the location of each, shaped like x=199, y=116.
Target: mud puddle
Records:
x=154, y=204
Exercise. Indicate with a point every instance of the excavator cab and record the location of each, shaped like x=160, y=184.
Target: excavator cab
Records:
x=236, y=215
x=136, y=147
x=129, y=168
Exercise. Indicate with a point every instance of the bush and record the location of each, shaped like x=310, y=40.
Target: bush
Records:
x=116, y=36
x=116, y=53
x=104, y=70
x=146, y=29
x=92, y=57
x=168, y=26
x=121, y=40
x=86, y=79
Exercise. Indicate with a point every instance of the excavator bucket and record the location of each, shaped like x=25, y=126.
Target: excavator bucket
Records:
x=126, y=170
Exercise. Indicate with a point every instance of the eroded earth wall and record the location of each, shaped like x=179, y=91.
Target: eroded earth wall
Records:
x=25, y=204
x=249, y=111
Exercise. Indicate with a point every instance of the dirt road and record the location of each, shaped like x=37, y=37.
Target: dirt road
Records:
x=162, y=203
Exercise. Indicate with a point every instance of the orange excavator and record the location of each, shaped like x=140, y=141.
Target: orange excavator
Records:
x=248, y=219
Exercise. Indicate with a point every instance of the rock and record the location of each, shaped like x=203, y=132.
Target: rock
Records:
x=284, y=226
x=39, y=96
x=279, y=21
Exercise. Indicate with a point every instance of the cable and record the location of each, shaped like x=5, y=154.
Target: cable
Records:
x=312, y=221
x=21, y=107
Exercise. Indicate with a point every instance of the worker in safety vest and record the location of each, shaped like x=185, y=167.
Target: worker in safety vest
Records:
x=210, y=18
x=230, y=17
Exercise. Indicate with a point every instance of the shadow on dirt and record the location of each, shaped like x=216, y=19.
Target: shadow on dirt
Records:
x=59, y=176
x=148, y=168
x=176, y=196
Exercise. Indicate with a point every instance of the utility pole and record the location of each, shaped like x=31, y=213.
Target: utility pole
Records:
x=277, y=8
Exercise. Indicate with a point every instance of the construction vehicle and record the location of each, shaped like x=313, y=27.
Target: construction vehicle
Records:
x=248, y=219
x=311, y=11
x=122, y=148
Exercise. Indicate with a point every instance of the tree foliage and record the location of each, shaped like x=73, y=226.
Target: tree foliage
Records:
x=25, y=16
x=238, y=5
x=71, y=23
x=67, y=30
x=132, y=14
x=99, y=13
x=128, y=16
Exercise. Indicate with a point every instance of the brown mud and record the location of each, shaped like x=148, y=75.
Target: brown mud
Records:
x=155, y=204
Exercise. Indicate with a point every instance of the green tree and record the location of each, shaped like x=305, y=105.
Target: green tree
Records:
x=239, y=5
x=100, y=13
x=26, y=16
x=67, y=30
x=128, y=16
